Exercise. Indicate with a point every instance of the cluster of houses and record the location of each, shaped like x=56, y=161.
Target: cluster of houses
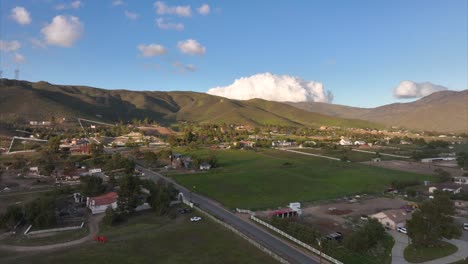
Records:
x=179, y=161
x=137, y=138
x=76, y=145
x=347, y=142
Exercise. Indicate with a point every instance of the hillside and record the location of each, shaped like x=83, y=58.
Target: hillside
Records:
x=445, y=111
x=42, y=100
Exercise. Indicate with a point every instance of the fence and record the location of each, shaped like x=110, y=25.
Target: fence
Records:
x=251, y=241
x=244, y=211
x=304, y=245
x=61, y=229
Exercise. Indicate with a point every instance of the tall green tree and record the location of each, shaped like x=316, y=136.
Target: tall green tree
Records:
x=91, y=185
x=129, y=191
x=433, y=221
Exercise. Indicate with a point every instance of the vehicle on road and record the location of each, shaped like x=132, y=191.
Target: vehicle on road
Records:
x=195, y=219
x=402, y=230
x=465, y=226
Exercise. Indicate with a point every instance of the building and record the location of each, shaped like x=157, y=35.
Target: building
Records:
x=99, y=204
x=360, y=143
x=460, y=180
x=392, y=219
x=429, y=160
x=345, y=142
x=205, y=166
x=376, y=159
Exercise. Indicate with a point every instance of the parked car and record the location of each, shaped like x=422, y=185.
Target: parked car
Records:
x=465, y=226
x=402, y=230
x=195, y=219
x=184, y=210
x=335, y=236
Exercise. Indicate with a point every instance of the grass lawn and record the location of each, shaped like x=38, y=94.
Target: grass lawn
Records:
x=148, y=238
x=22, y=240
x=353, y=156
x=272, y=178
x=418, y=255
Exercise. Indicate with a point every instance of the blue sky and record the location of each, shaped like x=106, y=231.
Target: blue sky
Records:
x=359, y=50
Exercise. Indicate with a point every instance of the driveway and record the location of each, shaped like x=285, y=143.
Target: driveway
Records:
x=402, y=240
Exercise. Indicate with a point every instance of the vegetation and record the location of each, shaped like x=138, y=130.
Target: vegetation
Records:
x=366, y=237
x=91, y=186
x=432, y=222
x=165, y=240
x=297, y=229
x=417, y=254
x=240, y=181
x=129, y=191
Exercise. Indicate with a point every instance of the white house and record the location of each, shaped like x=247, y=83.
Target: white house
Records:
x=360, y=143
x=460, y=180
x=345, y=142
x=99, y=204
x=392, y=218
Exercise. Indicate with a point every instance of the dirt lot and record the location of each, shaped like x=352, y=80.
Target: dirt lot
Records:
x=417, y=167
x=331, y=217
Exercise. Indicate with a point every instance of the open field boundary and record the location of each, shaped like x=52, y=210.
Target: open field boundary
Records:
x=383, y=154
x=310, y=154
x=251, y=241
x=304, y=245
x=61, y=229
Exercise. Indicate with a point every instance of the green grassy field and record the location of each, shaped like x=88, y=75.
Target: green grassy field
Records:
x=151, y=239
x=353, y=156
x=418, y=255
x=273, y=178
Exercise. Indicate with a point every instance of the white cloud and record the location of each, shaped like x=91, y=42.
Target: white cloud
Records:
x=9, y=45
x=162, y=24
x=151, y=50
x=18, y=58
x=21, y=15
x=73, y=5
x=410, y=89
x=184, y=67
x=163, y=9
x=280, y=88
x=117, y=2
x=191, y=47
x=131, y=15
x=204, y=9
x=63, y=31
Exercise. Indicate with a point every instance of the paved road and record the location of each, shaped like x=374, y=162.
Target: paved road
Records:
x=253, y=231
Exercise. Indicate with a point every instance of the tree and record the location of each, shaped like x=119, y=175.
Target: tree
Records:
x=96, y=149
x=41, y=212
x=433, y=222
x=462, y=160
x=128, y=192
x=11, y=217
x=366, y=236
x=53, y=145
x=111, y=217
x=91, y=185
x=444, y=176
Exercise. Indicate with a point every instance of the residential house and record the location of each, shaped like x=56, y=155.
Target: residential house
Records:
x=460, y=180
x=360, y=143
x=345, y=142
x=205, y=166
x=393, y=218
x=99, y=204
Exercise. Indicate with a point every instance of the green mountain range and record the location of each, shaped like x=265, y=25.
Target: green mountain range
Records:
x=42, y=100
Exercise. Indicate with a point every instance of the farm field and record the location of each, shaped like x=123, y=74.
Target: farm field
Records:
x=353, y=156
x=148, y=238
x=272, y=178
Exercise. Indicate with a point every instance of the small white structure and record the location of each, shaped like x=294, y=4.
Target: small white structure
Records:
x=360, y=143
x=205, y=166
x=99, y=204
x=296, y=207
x=376, y=159
x=460, y=180
x=454, y=191
x=392, y=218
x=429, y=160
x=34, y=171
x=432, y=189
x=345, y=142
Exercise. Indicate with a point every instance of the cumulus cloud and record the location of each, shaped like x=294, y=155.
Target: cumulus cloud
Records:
x=18, y=58
x=191, y=47
x=73, y=5
x=21, y=15
x=280, y=88
x=38, y=43
x=163, y=24
x=410, y=89
x=117, y=2
x=163, y=9
x=151, y=50
x=184, y=67
x=131, y=15
x=204, y=9
x=9, y=45
x=63, y=31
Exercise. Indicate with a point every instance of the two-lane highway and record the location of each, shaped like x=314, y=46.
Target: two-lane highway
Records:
x=249, y=229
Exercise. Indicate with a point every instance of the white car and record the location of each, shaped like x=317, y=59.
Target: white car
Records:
x=465, y=226
x=402, y=230
x=195, y=219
